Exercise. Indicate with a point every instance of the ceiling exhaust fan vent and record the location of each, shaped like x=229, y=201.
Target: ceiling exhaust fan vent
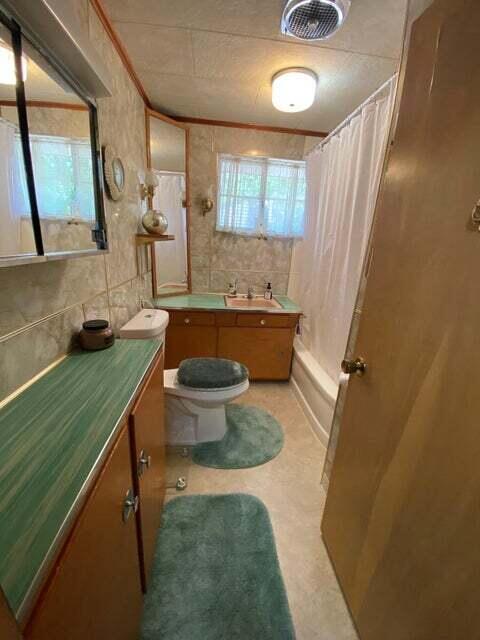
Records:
x=313, y=19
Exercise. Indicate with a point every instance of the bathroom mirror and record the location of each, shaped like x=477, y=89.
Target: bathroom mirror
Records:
x=51, y=202
x=167, y=149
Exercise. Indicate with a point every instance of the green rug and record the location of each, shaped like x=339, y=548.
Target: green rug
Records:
x=216, y=574
x=253, y=437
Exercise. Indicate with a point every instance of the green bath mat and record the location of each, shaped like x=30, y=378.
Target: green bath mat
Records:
x=253, y=437
x=216, y=574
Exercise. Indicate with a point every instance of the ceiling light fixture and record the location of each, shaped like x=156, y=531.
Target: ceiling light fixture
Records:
x=7, y=66
x=294, y=89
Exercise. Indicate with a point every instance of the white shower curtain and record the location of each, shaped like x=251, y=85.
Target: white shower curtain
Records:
x=343, y=175
x=171, y=256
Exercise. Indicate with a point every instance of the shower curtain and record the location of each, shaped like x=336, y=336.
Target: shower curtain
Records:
x=343, y=174
x=171, y=256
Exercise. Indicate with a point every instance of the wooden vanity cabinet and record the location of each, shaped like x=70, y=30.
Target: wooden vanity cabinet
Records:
x=261, y=341
x=267, y=353
x=94, y=591
x=190, y=335
x=147, y=433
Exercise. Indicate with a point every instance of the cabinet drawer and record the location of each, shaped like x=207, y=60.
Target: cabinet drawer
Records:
x=226, y=319
x=266, y=320
x=195, y=318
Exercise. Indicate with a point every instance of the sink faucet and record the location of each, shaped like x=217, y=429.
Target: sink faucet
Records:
x=250, y=293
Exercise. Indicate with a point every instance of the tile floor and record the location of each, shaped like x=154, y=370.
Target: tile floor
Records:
x=290, y=487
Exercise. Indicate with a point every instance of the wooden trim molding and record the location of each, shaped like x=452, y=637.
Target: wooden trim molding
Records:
x=46, y=105
x=248, y=125
x=162, y=116
x=122, y=52
x=125, y=58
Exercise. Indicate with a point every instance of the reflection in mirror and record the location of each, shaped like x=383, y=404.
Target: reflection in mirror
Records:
x=16, y=229
x=168, y=161
x=60, y=144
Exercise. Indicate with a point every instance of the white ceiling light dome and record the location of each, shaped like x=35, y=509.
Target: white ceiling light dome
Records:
x=313, y=19
x=294, y=89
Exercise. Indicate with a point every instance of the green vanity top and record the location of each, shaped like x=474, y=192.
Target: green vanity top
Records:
x=216, y=302
x=53, y=436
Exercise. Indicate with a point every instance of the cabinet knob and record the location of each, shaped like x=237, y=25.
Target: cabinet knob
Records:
x=263, y=322
x=144, y=462
x=130, y=504
x=187, y=320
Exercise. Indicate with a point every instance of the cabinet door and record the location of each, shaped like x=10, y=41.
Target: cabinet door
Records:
x=266, y=352
x=148, y=440
x=95, y=590
x=189, y=342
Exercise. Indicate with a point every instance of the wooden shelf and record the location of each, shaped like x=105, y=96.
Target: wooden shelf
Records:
x=146, y=238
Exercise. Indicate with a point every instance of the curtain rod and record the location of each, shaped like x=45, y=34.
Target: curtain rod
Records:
x=350, y=117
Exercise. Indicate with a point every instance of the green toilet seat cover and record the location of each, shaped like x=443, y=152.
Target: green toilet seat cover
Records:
x=211, y=373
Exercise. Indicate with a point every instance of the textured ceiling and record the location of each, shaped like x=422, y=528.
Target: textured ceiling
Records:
x=215, y=58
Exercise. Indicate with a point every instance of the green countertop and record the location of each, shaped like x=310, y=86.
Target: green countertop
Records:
x=53, y=437
x=216, y=302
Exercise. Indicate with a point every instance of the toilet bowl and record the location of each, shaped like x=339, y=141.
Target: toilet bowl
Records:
x=193, y=414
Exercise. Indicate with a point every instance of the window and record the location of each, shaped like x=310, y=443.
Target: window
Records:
x=62, y=168
x=261, y=196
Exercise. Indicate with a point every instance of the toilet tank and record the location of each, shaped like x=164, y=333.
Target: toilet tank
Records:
x=148, y=324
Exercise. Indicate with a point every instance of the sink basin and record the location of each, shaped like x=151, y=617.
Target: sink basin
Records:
x=258, y=302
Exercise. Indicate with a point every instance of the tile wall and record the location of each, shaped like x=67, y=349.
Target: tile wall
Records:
x=43, y=306
x=219, y=258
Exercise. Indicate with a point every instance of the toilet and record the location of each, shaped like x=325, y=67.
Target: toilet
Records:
x=197, y=392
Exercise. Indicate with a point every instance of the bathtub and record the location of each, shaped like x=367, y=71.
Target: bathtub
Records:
x=314, y=389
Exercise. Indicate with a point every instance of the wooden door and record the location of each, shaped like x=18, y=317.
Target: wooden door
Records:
x=95, y=590
x=267, y=353
x=402, y=517
x=148, y=447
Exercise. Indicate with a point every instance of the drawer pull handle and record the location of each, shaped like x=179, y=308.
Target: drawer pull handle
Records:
x=187, y=321
x=144, y=462
x=130, y=504
x=263, y=322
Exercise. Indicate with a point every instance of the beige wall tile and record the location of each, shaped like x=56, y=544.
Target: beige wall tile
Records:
x=219, y=281
x=124, y=302
x=250, y=260
x=28, y=353
x=97, y=308
x=32, y=293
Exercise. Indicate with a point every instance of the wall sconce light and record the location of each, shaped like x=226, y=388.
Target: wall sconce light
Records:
x=147, y=190
x=207, y=203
